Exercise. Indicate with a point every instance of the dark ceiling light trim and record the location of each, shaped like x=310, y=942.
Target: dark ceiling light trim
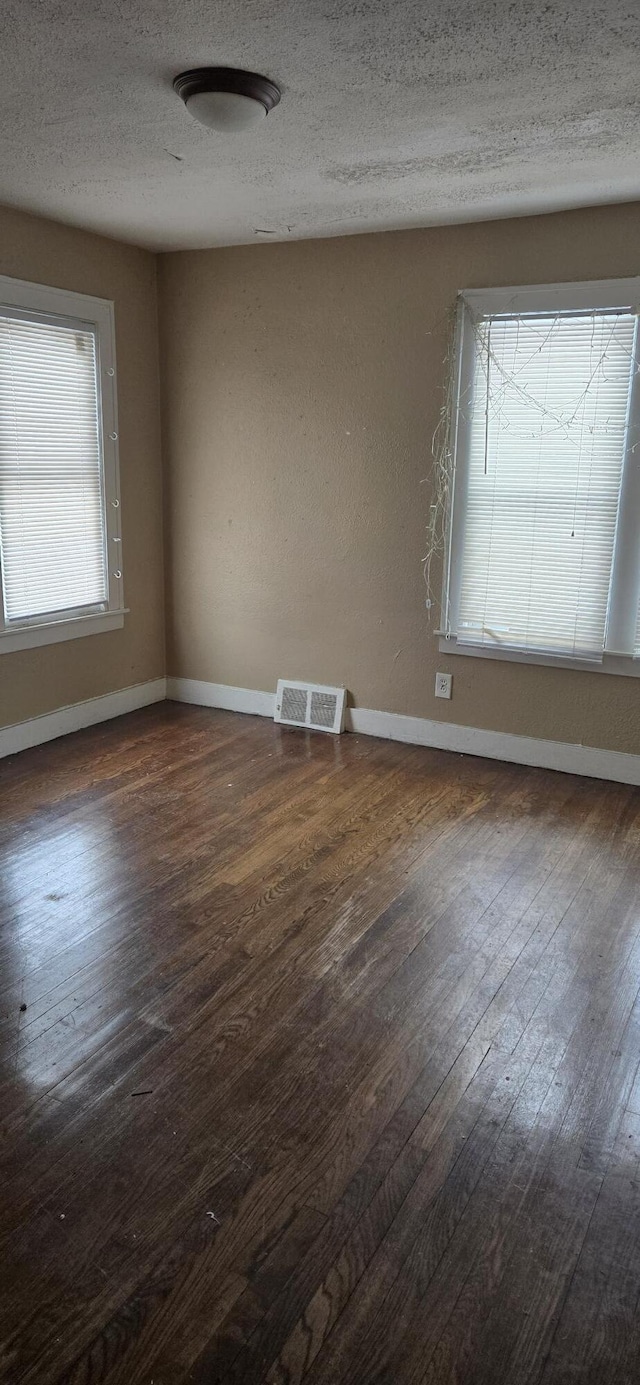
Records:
x=251, y=84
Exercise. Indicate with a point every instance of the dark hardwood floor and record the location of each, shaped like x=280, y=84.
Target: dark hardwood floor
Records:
x=329, y=1066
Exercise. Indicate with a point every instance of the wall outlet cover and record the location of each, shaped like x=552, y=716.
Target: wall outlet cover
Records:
x=443, y=684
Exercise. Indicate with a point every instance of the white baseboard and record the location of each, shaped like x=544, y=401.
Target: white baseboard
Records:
x=25, y=734
x=500, y=745
x=259, y=704
x=440, y=735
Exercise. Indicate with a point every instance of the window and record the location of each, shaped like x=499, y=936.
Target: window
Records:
x=60, y=549
x=544, y=531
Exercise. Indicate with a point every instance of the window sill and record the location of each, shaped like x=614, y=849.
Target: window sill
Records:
x=611, y=663
x=55, y=631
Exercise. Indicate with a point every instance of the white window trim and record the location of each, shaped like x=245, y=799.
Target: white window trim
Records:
x=610, y=663
x=51, y=628
x=532, y=298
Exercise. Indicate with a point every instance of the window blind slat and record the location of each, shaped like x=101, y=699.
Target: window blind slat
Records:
x=546, y=453
x=52, y=531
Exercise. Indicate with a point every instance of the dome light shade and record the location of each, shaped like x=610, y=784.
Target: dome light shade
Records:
x=225, y=98
x=225, y=110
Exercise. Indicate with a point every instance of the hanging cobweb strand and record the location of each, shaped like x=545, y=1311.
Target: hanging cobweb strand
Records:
x=440, y=481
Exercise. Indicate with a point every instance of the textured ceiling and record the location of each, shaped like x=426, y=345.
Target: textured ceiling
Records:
x=393, y=114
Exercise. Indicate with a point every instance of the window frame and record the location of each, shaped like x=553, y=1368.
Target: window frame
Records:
x=48, y=304
x=625, y=571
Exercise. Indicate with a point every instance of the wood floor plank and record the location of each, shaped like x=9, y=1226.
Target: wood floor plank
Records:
x=329, y=1070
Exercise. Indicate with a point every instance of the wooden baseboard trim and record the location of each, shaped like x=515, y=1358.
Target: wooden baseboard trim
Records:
x=586, y=760
x=222, y=695
x=568, y=758
x=25, y=734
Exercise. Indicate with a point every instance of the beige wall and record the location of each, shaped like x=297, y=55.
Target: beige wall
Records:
x=40, y=680
x=302, y=384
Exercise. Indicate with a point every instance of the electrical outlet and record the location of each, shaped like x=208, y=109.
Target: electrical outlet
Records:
x=443, y=684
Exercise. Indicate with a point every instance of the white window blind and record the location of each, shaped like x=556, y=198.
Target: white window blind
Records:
x=52, y=525
x=541, y=456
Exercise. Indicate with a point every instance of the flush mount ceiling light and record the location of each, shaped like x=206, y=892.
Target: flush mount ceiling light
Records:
x=224, y=98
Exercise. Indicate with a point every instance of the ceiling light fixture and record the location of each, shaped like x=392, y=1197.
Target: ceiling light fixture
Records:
x=224, y=98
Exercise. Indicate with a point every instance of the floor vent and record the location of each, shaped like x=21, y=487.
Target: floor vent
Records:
x=311, y=705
